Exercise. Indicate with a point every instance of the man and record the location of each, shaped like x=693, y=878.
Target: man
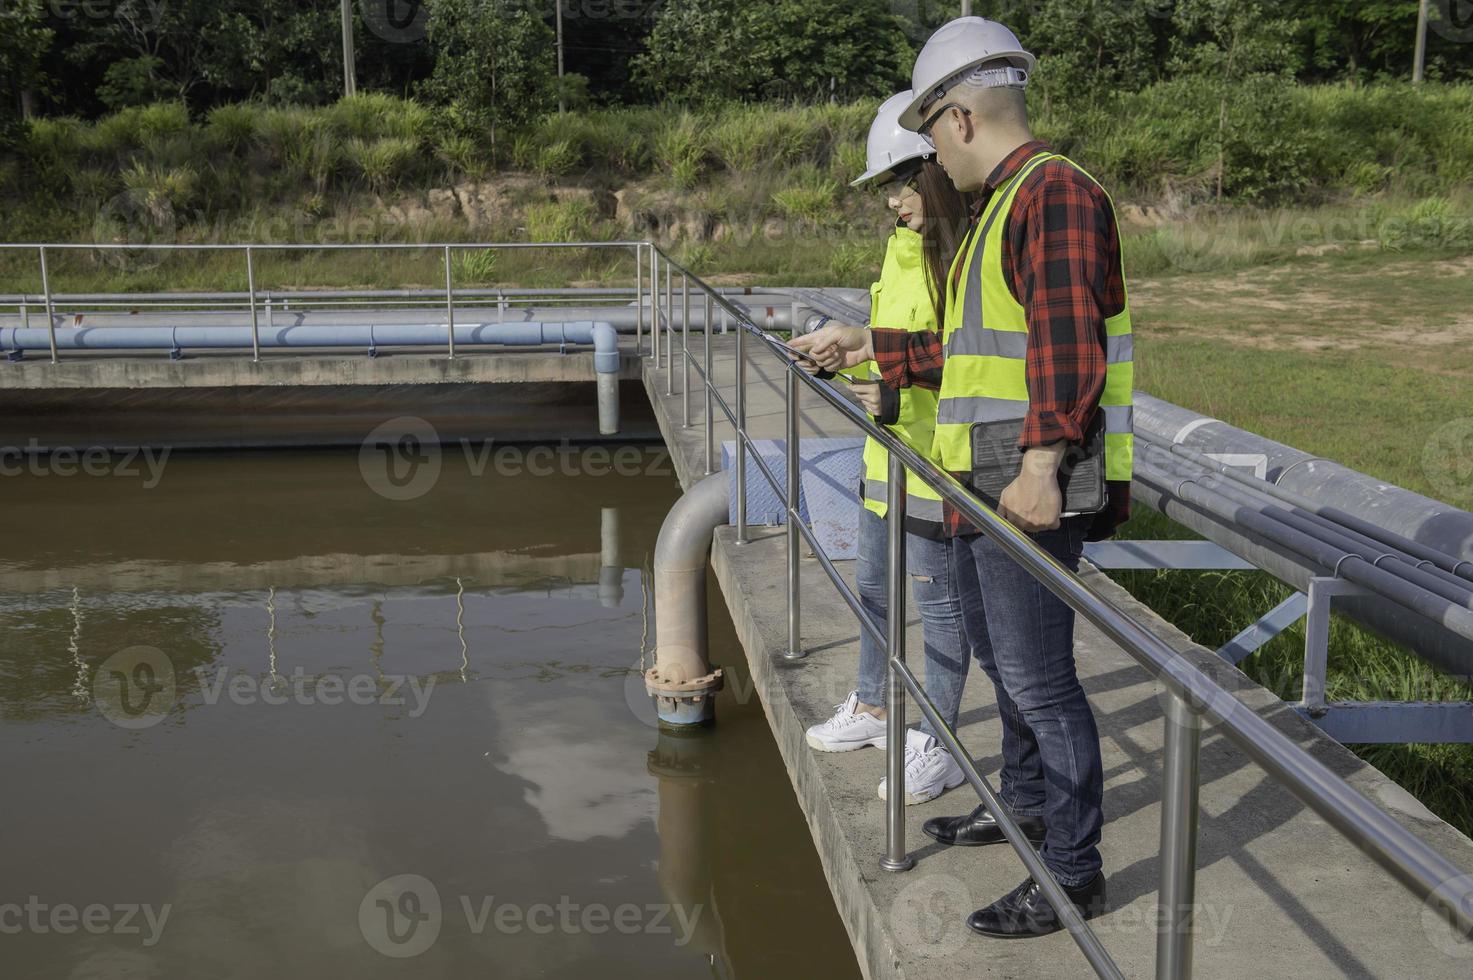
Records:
x=1038, y=328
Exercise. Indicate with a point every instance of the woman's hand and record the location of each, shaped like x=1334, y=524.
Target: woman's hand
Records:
x=867, y=393
x=836, y=346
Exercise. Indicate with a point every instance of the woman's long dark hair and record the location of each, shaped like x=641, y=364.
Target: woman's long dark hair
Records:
x=948, y=215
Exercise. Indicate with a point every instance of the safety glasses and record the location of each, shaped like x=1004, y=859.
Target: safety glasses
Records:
x=899, y=185
x=924, y=132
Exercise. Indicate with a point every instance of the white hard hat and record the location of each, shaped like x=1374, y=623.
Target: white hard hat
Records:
x=890, y=144
x=955, y=50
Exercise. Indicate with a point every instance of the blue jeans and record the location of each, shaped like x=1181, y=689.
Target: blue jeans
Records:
x=933, y=585
x=1023, y=637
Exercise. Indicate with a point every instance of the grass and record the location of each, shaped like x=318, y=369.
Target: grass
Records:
x=1360, y=356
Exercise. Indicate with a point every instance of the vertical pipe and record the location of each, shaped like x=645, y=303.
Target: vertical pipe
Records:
x=561, y=106
x=350, y=81
x=50, y=313
x=1419, y=57
x=449, y=305
x=669, y=331
x=896, y=859
x=685, y=350
x=1316, y=643
x=655, y=309
x=251, y=292
x=741, y=437
x=639, y=300
x=1179, y=806
x=710, y=402
x=791, y=499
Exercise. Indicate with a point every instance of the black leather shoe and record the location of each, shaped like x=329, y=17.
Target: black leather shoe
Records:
x=1025, y=911
x=978, y=827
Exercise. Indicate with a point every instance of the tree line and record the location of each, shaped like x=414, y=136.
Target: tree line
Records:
x=493, y=63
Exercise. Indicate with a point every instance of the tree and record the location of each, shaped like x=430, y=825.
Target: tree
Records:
x=494, y=63
x=711, y=50
x=23, y=38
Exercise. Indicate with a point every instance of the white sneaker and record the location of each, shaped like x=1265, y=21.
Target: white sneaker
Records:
x=929, y=769
x=848, y=729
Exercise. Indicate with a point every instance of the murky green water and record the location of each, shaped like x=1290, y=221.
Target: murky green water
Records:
x=258, y=718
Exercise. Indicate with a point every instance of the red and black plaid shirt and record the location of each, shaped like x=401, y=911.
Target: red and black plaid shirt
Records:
x=1061, y=261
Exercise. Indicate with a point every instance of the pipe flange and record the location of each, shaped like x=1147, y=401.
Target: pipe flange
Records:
x=665, y=687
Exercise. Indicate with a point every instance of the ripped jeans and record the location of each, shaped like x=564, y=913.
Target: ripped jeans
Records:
x=933, y=584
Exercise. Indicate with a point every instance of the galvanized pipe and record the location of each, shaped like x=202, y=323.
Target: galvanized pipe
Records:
x=710, y=390
x=741, y=448
x=896, y=858
x=791, y=500
x=685, y=351
x=639, y=299
x=50, y=313
x=1180, y=808
x=449, y=307
x=251, y=288
x=1419, y=554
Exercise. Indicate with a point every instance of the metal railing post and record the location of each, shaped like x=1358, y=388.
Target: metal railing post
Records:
x=710, y=391
x=669, y=331
x=791, y=499
x=741, y=436
x=896, y=858
x=655, y=308
x=449, y=306
x=251, y=291
x=1179, y=810
x=50, y=313
x=685, y=350
x=639, y=300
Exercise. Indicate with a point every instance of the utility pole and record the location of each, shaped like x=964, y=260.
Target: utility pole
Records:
x=1419, y=60
x=350, y=84
x=967, y=8
x=559, y=6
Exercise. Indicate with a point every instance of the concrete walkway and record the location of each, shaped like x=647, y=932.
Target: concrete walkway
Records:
x=1280, y=893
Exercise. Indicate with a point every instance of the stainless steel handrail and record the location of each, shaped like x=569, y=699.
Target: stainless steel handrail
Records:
x=1193, y=695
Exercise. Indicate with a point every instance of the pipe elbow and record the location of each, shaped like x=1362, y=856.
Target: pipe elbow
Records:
x=605, y=348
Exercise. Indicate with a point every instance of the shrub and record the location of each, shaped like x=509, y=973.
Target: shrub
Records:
x=381, y=163
x=561, y=221
x=810, y=197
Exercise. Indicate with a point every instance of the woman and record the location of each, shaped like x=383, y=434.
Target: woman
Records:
x=931, y=219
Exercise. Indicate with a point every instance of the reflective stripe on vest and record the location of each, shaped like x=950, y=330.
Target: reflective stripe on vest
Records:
x=901, y=299
x=985, y=342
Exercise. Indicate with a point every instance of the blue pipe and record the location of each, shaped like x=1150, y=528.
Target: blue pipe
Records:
x=601, y=335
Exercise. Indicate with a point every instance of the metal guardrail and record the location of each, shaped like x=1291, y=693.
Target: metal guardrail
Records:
x=1192, y=695
x=254, y=300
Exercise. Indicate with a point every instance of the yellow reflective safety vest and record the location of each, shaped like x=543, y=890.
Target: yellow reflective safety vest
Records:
x=901, y=300
x=986, y=343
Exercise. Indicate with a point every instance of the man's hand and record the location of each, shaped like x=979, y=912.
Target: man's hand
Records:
x=836, y=346
x=1033, y=501
x=867, y=393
